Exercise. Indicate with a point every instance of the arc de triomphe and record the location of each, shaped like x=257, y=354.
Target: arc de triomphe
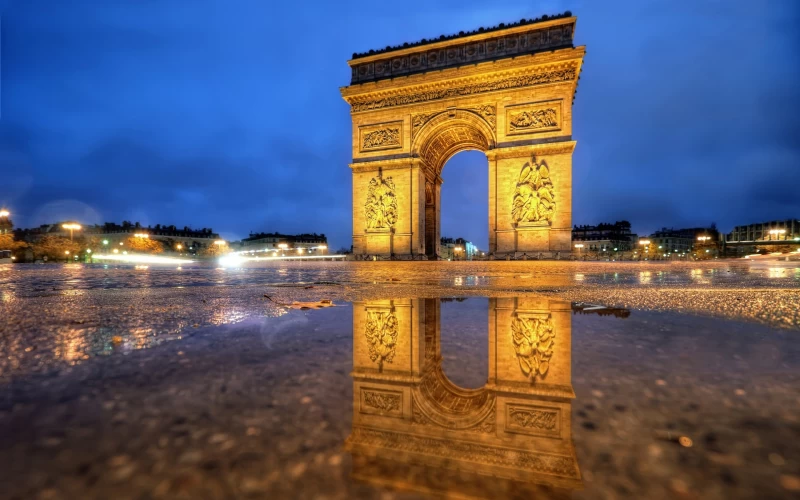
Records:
x=506, y=91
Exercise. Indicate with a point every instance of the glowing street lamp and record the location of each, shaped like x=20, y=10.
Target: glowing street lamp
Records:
x=141, y=235
x=105, y=242
x=179, y=247
x=4, y=213
x=72, y=227
x=776, y=232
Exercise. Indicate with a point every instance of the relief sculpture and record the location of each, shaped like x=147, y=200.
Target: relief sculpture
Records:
x=533, y=339
x=381, y=205
x=533, y=120
x=381, y=333
x=534, y=198
x=382, y=138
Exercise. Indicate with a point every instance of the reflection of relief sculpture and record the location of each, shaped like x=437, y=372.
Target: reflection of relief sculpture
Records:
x=534, y=197
x=381, y=206
x=540, y=118
x=382, y=401
x=546, y=420
x=381, y=138
x=533, y=343
x=381, y=333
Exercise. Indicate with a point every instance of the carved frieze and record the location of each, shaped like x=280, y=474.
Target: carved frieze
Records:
x=486, y=111
x=381, y=205
x=533, y=420
x=533, y=118
x=381, y=402
x=381, y=333
x=540, y=77
x=533, y=337
x=534, y=201
x=380, y=137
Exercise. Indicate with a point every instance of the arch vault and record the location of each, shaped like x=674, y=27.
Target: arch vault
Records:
x=506, y=92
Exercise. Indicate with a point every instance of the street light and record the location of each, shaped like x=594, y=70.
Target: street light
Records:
x=179, y=247
x=4, y=213
x=141, y=235
x=776, y=232
x=72, y=227
x=456, y=249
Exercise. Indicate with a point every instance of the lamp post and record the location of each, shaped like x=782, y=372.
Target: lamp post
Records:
x=66, y=252
x=72, y=227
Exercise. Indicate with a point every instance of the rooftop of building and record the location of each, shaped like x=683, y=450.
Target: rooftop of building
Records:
x=462, y=34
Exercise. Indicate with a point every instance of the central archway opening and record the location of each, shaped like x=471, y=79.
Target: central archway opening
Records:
x=464, y=202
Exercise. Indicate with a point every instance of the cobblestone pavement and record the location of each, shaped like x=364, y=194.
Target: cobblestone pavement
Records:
x=126, y=382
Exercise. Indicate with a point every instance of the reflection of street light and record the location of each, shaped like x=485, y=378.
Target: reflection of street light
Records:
x=72, y=227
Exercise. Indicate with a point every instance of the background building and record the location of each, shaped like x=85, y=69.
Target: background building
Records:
x=683, y=241
x=605, y=237
x=457, y=249
x=283, y=243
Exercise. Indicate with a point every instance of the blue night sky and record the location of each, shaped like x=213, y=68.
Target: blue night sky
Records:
x=227, y=113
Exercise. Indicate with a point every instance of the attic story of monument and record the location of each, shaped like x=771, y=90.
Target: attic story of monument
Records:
x=507, y=92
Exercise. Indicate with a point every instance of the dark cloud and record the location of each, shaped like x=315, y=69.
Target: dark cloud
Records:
x=228, y=114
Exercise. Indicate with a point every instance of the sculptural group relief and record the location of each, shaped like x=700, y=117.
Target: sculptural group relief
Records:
x=533, y=118
x=534, y=196
x=381, y=204
x=376, y=138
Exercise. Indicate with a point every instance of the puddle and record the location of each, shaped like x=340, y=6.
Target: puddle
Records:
x=479, y=397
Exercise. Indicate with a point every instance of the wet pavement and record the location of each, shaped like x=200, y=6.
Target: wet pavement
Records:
x=478, y=380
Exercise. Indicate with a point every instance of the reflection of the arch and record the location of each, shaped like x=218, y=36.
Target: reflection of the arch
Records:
x=414, y=429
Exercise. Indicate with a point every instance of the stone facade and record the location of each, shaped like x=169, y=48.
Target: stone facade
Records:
x=514, y=106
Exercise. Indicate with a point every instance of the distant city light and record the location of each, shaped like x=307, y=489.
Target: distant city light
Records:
x=283, y=246
x=88, y=250
x=71, y=227
x=219, y=242
x=179, y=246
x=141, y=235
x=115, y=250
x=645, y=242
x=577, y=245
x=105, y=242
x=66, y=252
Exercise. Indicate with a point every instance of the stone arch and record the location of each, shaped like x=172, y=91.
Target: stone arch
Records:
x=438, y=137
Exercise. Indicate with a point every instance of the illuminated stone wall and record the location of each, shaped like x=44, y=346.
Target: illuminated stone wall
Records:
x=516, y=110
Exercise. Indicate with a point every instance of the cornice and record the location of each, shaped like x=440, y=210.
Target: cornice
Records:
x=562, y=72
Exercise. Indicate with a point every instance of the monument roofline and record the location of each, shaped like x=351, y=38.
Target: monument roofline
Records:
x=474, y=35
x=469, y=49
